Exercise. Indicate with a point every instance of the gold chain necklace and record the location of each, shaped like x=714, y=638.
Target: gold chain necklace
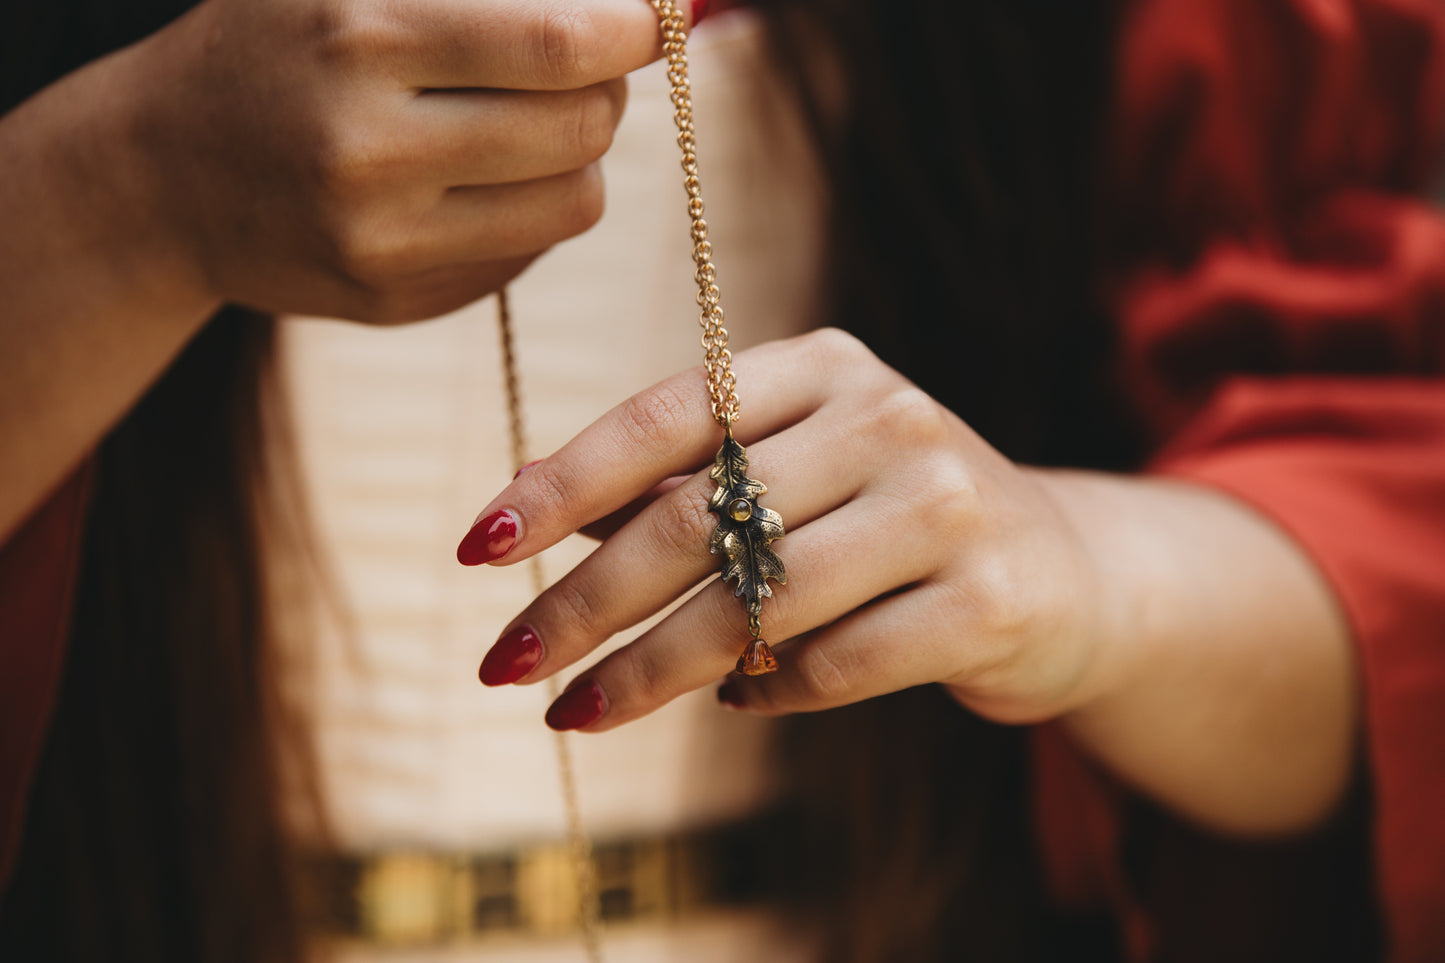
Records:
x=745, y=529
x=588, y=905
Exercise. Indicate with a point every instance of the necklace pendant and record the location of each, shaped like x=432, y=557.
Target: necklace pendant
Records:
x=757, y=659
x=743, y=537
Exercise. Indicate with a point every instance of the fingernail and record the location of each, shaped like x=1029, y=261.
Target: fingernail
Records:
x=489, y=539
x=514, y=655
x=524, y=468
x=577, y=707
x=730, y=694
x=699, y=10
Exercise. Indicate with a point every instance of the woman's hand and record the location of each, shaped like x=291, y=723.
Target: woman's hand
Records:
x=359, y=159
x=1183, y=640
x=379, y=161
x=915, y=552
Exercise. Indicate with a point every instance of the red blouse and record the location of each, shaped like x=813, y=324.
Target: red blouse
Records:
x=1280, y=289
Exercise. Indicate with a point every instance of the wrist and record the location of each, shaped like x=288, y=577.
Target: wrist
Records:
x=1116, y=607
x=117, y=185
x=1224, y=681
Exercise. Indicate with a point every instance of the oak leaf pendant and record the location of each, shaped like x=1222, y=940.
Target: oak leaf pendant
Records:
x=744, y=534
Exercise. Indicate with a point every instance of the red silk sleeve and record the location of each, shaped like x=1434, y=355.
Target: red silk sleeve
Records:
x=1279, y=289
x=39, y=565
x=1355, y=471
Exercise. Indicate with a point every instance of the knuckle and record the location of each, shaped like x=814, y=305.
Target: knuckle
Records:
x=579, y=609
x=658, y=413
x=684, y=525
x=617, y=94
x=345, y=163
x=587, y=201
x=354, y=35
x=549, y=487
x=564, y=44
x=999, y=604
x=593, y=124
x=726, y=617
x=837, y=347
x=910, y=414
x=367, y=254
x=652, y=680
x=950, y=497
x=825, y=678
x=763, y=697
x=352, y=157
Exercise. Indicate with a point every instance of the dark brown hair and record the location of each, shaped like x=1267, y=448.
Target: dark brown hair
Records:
x=155, y=829
x=962, y=143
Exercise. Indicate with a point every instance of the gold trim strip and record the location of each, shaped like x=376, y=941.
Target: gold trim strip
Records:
x=414, y=898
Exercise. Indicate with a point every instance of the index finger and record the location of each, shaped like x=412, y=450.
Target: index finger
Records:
x=664, y=431
x=528, y=44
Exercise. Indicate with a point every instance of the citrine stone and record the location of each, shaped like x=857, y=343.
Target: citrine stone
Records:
x=757, y=659
x=740, y=509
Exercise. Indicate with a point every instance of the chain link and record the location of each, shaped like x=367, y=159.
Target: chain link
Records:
x=721, y=384
x=589, y=925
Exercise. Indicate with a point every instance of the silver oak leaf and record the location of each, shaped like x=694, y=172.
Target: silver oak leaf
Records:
x=745, y=530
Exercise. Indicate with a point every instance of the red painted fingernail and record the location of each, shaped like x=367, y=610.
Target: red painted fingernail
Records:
x=577, y=707
x=489, y=539
x=730, y=694
x=514, y=655
x=524, y=468
x=700, y=10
